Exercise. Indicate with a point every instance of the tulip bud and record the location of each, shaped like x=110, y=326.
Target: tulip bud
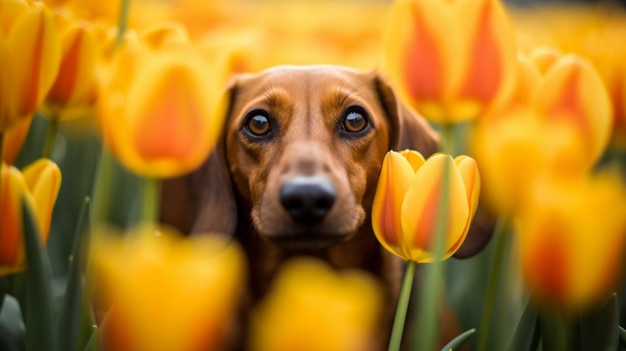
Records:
x=30, y=56
x=406, y=206
x=312, y=307
x=38, y=185
x=160, y=110
x=451, y=73
x=166, y=292
x=572, y=236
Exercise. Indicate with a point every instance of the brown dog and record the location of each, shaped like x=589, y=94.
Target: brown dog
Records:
x=296, y=171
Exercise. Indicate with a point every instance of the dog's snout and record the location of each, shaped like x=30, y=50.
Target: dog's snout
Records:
x=307, y=199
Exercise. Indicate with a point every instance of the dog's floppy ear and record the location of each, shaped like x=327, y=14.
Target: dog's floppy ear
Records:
x=408, y=130
x=203, y=200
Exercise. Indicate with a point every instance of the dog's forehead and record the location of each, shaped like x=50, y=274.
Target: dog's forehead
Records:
x=306, y=78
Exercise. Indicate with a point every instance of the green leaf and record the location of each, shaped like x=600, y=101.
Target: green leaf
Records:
x=622, y=335
x=527, y=334
x=12, y=330
x=459, y=340
x=74, y=322
x=599, y=330
x=39, y=300
x=94, y=340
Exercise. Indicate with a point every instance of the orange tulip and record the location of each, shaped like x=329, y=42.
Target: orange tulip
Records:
x=74, y=90
x=572, y=237
x=166, y=292
x=451, y=59
x=312, y=307
x=38, y=185
x=159, y=110
x=13, y=139
x=406, y=204
x=29, y=57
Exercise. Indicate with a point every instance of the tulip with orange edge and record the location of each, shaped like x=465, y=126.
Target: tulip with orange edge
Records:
x=312, y=307
x=159, y=110
x=166, y=292
x=408, y=195
x=73, y=93
x=38, y=185
x=450, y=73
x=29, y=57
x=563, y=131
x=572, y=235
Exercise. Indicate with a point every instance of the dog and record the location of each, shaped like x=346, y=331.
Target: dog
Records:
x=296, y=170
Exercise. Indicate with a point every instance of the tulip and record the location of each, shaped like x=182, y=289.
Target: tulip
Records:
x=312, y=307
x=166, y=292
x=451, y=59
x=13, y=139
x=159, y=110
x=572, y=237
x=38, y=185
x=572, y=93
x=74, y=90
x=544, y=58
x=407, y=203
x=29, y=57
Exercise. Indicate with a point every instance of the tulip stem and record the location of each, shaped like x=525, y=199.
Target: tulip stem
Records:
x=492, y=284
x=430, y=294
x=151, y=201
x=50, y=136
x=447, y=139
x=122, y=22
x=401, y=309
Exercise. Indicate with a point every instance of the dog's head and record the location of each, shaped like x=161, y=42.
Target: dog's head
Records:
x=300, y=156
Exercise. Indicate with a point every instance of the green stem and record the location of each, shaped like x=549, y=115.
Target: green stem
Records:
x=403, y=305
x=123, y=22
x=430, y=297
x=500, y=235
x=102, y=189
x=150, y=200
x=51, y=135
x=447, y=139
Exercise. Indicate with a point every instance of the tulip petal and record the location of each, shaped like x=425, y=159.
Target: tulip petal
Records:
x=43, y=178
x=572, y=92
x=7, y=89
x=36, y=55
x=12, y=188
x=14, y=138
x=396, y=174
x=416, y=160
x=421, y=206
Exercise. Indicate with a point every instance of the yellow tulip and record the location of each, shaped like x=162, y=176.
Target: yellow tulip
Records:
x=166, y=292
x=29, y=57
x=74, y=90
x=451, y=59
x=572, y=237
x=573, y=93
x=311, y=307
x=13, y=139
x=159, y=110
x=406, y=204
x=38, y=185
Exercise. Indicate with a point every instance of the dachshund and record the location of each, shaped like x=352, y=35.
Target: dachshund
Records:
x=296, y=169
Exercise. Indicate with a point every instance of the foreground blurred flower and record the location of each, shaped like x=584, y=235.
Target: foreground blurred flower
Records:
x=159, y=107
x=166, y=292
x=406, y=204
x=313, y=308
x=572, y=238
x=29, y=59
x=74, y=90
x=451, y=59
x=38, y=185
x=562, y=132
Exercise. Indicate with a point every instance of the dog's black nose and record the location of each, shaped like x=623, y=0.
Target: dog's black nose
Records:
x=307, y=198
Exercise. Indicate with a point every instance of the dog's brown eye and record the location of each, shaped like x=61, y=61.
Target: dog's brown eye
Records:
x=258, y=123
x=355, y=120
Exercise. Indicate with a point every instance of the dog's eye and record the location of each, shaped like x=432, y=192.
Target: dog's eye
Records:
x=258, y=123
x=355, y=120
